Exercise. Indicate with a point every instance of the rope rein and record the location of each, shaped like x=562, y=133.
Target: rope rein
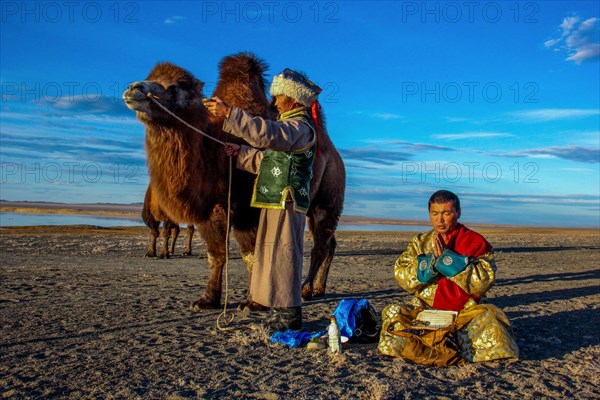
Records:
x=154, y=99
x=223, y=313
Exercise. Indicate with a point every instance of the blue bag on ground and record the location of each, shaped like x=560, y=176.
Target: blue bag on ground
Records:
x=357, y=320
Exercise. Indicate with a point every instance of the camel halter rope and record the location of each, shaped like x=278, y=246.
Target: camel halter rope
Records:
x=223, y=313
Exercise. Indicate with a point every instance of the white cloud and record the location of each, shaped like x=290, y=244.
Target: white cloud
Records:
x=379, y=115
x=386, y=116
x=174, y=19
x=572, y=153
x=553, y=114
x=568, y=24
x=582, y=170
x=35, y=118
x=579, y=39
x=590, y=51
x=457, y=119
x=470, y=135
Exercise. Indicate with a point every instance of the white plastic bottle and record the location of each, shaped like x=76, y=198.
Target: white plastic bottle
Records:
x=335, y=342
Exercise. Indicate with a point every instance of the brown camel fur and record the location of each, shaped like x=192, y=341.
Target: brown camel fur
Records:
x=189, y=172
x=152, y=215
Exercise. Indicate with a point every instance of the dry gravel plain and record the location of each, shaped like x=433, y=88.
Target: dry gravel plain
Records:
x=84, y=315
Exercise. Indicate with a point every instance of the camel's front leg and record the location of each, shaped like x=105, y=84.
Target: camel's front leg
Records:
x=152, y=246
x=154, y=234
x=213, y=233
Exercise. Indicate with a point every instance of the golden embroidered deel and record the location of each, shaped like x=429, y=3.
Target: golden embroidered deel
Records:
x=487, y=336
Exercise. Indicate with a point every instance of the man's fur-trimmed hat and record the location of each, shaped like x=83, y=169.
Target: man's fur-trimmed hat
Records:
x=295, y=85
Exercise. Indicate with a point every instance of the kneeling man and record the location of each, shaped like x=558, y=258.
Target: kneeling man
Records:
x=449, y=268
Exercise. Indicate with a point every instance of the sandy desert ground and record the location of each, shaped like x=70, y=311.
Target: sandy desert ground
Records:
x=84, y=315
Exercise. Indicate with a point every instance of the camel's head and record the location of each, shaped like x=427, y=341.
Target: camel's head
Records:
x=174, y=87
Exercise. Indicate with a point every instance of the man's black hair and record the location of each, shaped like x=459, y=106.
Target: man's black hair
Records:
x=444, y=196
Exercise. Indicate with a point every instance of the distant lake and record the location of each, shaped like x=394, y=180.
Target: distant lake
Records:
x=383, y=227
x=31, y=219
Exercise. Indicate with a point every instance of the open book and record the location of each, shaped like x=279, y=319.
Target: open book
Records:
x=435, y=319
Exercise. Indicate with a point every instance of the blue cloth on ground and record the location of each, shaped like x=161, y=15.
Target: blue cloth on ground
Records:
x=294, y=338
x=346, y=314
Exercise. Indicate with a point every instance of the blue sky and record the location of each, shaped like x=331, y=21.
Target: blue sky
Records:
x=496, y=101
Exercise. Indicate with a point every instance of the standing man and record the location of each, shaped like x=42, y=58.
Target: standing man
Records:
x=450, y=268
x=282, y=155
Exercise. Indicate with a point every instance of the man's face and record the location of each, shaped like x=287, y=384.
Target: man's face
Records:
x=283, y=103
x=443, y=217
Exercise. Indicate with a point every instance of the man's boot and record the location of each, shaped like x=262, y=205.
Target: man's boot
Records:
x=282, y=319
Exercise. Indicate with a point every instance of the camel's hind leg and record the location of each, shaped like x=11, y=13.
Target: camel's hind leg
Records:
x=174, y=232
x=322, y=223
x=190, y=236
x=168, y=226
x=213, y=233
